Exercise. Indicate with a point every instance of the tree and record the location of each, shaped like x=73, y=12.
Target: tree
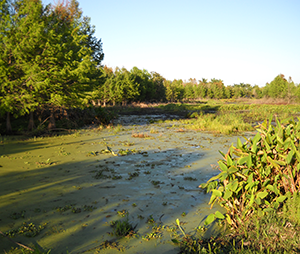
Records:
x=278, y=88
x=125, y=87
x=49, y=57
x=20, y=27
x=159, y=88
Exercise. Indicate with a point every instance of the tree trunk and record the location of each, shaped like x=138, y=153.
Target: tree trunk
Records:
x=51, y=124
x=8, y=124
x=31, y=125
x=104, y=103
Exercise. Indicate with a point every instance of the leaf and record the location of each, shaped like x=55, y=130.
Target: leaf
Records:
x=262, y=195
x=290, y=157
x=239, y=144
x=217, y=193
x=270, y=187
x=223, y=155
x=229, y=160
x=175, y=241
x=232, y=170
x=274, y=164
x=219, y=215
x=222, y=166
x=255, y=140
x=269, y=209
x=210, y=218
x=227, y=194
x=242, y=160
x=228, y=219
x=249, y=161
x=280, y=199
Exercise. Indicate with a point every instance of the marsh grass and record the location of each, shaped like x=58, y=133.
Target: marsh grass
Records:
x=122, y=228
x=225, y=124
x=273, y=232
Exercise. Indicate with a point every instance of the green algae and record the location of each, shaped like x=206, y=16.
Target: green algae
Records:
x=53, y=180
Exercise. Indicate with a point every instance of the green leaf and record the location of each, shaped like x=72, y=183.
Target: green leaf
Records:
x=228, y=219
x=227, y=194
x=239, y=144
x=290, y=157
x=229, y=160
x=222, y=166
x=249, y=161
x=232, y=170
x=255, y=141
x=262, y=195
x=243, y=160
x=270, y=187
x=219, y=215
x=272, y=162
x=210, y=218
x=281, y=199
x=217, y=193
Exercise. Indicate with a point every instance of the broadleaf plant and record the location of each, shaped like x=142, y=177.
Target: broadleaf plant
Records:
x=259, y=174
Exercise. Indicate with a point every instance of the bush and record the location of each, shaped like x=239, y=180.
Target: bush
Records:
x=258, y=175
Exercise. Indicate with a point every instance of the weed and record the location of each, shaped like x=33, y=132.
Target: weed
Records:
x=116, y=177
x=150, y=219
x=89, y=208
x=27, y=229
x=65, y=208
x=122, y=228
x=123, y=213
x=132, y=175
x=156, y=183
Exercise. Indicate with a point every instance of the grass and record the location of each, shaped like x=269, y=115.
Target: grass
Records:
x=274, y=232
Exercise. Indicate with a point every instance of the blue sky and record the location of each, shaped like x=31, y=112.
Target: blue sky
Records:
x=233, y=40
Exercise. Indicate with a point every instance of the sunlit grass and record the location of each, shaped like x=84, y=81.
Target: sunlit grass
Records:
x=225, y=124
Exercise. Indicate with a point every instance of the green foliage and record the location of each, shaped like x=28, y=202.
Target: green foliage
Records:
x=122, y=228
x=27, y=229
x=258, y=175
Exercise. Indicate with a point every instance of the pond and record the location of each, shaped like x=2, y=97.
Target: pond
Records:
x=73, y=186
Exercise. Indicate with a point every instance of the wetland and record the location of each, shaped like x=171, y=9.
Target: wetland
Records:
x=67, y=190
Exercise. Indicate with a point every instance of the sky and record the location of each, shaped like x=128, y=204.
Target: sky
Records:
x=237, y=41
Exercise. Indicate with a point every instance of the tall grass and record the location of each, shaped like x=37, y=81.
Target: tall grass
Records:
x=224, y=123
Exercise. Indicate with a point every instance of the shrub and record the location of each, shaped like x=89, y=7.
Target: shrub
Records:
x=258, y=175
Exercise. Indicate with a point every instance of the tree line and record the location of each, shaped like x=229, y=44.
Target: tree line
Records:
x=50, y=59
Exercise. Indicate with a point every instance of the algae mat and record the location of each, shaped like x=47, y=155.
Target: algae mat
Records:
x=68, y=189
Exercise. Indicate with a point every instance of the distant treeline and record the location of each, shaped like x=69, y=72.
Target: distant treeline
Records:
x=122, y=86
x=51, y=62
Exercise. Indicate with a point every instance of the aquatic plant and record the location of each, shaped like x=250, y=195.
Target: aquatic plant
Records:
x=122, y=228
x=258, y=175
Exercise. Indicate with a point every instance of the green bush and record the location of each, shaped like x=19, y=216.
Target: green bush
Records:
x=258, y=175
